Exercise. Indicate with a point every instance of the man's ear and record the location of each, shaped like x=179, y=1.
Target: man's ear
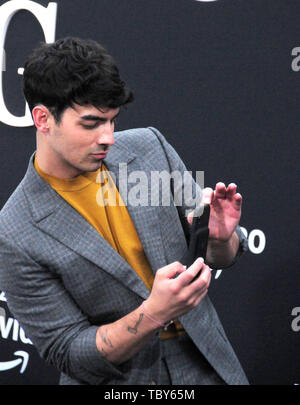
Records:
x=41, y=117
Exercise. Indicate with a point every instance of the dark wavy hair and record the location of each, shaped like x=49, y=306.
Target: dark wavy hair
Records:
x=73, y=71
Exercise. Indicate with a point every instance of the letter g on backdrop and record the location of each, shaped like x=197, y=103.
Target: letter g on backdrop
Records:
x=46, y=16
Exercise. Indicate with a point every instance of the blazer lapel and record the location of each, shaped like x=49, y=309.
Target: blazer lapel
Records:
x=126, y=168
x=54, y=216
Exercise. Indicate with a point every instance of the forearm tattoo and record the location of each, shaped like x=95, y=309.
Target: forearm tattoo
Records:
x=105, y=338
x=103, y=353
x=134, y=330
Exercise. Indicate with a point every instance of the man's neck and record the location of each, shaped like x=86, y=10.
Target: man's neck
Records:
x=50, y=165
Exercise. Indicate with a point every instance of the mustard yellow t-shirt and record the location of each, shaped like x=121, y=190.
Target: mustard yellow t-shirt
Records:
x=95, y=196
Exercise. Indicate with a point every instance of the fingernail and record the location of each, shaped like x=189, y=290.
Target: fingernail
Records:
x=201, y=259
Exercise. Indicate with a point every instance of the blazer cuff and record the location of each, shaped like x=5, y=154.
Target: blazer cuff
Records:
x=243, y=246
x=86, y=362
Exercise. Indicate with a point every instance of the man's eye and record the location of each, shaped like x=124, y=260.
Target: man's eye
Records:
x=93, y=126
x=90, y=126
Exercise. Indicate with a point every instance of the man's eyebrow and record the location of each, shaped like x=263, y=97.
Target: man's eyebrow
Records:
x=91, y=117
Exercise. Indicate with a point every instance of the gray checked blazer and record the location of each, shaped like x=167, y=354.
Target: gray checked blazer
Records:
x=62, y=279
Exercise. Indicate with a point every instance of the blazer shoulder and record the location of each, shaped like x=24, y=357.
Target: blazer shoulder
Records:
x=139, y=140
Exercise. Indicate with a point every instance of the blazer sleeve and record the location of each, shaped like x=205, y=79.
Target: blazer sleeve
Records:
x=51, y=319
x=192, y=196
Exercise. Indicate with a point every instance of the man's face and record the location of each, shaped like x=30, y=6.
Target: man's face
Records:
x=81, y=139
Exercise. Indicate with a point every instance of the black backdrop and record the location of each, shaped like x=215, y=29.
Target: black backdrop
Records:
x=221, y=81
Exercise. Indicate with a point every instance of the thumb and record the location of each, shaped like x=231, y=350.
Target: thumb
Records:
x=207, y=195
x=190, y=217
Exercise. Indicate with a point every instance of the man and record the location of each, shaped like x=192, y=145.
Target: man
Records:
x=97, y=286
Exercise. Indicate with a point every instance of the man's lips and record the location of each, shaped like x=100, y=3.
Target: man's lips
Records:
x=100, y=155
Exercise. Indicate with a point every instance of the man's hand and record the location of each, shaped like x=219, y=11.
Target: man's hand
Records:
x=175, y=291
x=225, y=211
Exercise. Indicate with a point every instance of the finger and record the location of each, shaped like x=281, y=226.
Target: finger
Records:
x=238, y=200
x=186, y=277
x=220, y=191
x=203, y=280
x=207, y=195
x=231, y=190
x=201, y=283
x=200, y=298
x=171, y=270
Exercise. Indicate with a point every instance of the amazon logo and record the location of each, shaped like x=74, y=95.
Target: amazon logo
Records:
x=10, y=327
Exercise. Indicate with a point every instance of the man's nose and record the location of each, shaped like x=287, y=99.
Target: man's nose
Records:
x=106, y=134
